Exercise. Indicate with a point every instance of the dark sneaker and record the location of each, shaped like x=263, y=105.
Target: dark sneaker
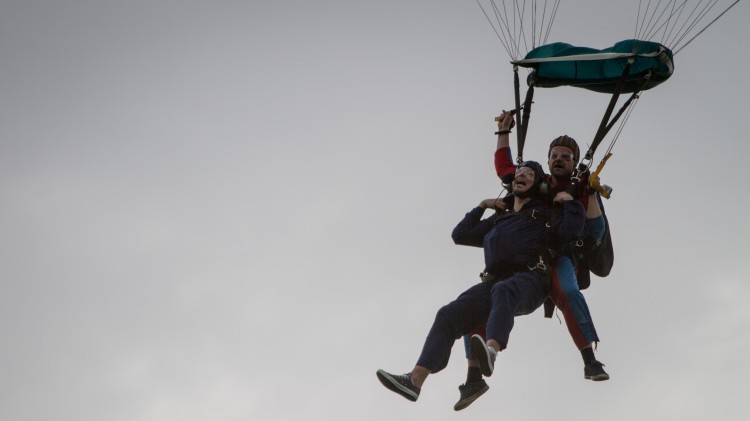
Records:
x=595, y=371
x=469, y=393
x=400, y=384
x=485, y=354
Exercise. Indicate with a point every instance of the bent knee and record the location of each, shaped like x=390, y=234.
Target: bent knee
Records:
x=445, y=320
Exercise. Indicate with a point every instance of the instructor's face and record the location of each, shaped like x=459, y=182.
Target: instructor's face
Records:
x=561, y=162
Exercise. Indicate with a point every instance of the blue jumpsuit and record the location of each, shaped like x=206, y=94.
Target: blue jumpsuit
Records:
x=511, y=244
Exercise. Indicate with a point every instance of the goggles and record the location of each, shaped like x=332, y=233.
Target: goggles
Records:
x=525, y=170
x=565, y=156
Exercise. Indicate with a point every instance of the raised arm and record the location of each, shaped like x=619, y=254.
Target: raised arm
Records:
x=472, y=229
x=504, y=165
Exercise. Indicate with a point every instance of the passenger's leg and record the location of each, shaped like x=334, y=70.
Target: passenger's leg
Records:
x=453, y=320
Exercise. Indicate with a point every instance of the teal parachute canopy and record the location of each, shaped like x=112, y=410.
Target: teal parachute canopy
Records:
x=561, y=64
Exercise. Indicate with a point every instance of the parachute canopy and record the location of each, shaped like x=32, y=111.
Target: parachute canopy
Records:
x=561, y=64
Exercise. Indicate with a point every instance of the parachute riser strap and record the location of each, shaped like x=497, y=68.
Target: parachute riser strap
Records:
x=622, y=110
x=519, y=133
x=601, y=132
x=525, y=115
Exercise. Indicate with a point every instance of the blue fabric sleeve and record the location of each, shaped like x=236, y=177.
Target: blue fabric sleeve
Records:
x=596, y=227
x=471, y=230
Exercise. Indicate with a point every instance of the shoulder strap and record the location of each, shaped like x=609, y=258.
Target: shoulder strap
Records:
x=536, y=214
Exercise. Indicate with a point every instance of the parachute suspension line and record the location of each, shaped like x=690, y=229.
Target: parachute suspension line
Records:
x=508, y=23
x=666, y=23
x=695, y=21
x=533, y=25
x=502, y=29
x=679, y=11
x=515, y=41
x=630, y=108
x=645, y=25
x=543, y=31
x=502, y=21
x=652, y=28
x=519, y=13
x=706, y=27
x=637, y=21
x=648, y=30
x=682, y=29
x=666, y=18
x=551, y=19
x=505, y=45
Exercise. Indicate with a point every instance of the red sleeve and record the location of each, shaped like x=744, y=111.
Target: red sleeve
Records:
x=504, y=165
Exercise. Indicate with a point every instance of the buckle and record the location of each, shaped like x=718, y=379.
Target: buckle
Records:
x=539, y=265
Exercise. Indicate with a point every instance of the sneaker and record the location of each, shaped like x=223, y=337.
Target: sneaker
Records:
x=400, y=384
x=485, y=354
x=595, y=371
x=469, y=393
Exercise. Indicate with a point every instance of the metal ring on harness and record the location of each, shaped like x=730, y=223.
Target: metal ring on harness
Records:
x=582, y=168
x=486, y=276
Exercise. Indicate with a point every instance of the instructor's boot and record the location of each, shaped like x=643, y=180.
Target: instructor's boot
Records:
x=595, y=371
x=469, y=393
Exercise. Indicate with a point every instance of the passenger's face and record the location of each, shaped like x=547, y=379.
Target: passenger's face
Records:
x=524, y=180
x=561, y=162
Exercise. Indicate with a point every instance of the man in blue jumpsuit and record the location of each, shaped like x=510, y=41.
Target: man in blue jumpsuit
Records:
x=515, y=280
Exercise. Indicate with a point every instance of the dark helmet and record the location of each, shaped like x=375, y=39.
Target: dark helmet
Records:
x=567, y=142
x=540, y=180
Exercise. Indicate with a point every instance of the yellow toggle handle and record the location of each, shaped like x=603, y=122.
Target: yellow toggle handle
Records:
x=603, y=189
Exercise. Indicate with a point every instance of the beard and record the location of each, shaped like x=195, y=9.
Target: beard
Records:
x=560, y=173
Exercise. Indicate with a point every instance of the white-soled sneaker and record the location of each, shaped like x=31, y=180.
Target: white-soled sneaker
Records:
x=399, y=383
x=485, y=354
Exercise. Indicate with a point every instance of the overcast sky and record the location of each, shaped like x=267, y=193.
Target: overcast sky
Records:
x=240, y=210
